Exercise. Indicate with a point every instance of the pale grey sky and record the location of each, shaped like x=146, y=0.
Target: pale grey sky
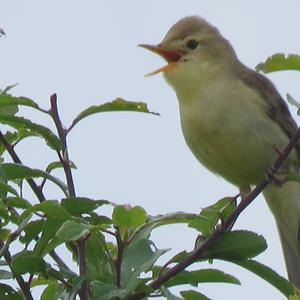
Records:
x=86, y=52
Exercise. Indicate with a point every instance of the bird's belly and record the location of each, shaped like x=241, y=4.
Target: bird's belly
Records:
x=237, y=145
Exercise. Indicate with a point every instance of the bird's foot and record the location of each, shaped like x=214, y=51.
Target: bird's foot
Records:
x=274, y=178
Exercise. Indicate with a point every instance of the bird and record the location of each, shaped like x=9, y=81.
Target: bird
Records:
x=234, y=121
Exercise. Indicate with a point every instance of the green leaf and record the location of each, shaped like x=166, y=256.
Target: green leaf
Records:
x=106, y=291
x=51, y=225
x=211, y=215
x=21, y=123
x=31, y=231
x=28, y=262
x=72, y=231
x=121, y=217
x=138, y=257
x=8, y=189
x=101, y=266
x=144, y=230
x=5, y=275
x=237, y=244
x=17, y=202
x=193, y=295
x=16, y=136
x=138, y=216
x=81, y=205
x=53, y=209
x=8, y=293
x=11, y=171
x=52, y=292
x=58, y=165
x=7, y=105
x=292, y=177
x=8, y=88
x=269, y=275
x=129, y=217
x=280, y=62
x=293, y=102
x=166, y=292
x=118, y=104
x=204, y=275
x=95, y=219
x=4, y=233
x=8, y=100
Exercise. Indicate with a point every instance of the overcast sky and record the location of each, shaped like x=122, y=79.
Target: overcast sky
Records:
x=86, y=52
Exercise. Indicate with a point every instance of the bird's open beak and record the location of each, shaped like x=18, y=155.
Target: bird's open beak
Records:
x=172, y=57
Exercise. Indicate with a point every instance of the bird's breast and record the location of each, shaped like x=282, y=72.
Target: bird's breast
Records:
x=228, y=131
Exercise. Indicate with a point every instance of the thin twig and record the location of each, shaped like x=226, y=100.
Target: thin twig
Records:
x=84, y=291
x=63, y=137
x=118, y=260
x=246, y=201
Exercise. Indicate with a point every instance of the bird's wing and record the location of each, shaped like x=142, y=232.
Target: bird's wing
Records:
x=275, y=106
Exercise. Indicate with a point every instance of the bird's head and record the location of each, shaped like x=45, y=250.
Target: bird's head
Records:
x=194, y=50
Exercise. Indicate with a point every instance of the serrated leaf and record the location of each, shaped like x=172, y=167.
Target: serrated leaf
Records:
x=72, y=231
x=269, y=275
x=11, y=171
x=28, y=262
x=280, y=62
x=21, y=123
x=106, y=291
x=81, y=205
x=53, y=209
x=118, y=104
x=138, y=257
x=199, y=276
x=7, y=105
x=193, y=295
x=7, y=99
x=236, y=245
x=16, y=136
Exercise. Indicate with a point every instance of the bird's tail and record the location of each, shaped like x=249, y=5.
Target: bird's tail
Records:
x=284, y=202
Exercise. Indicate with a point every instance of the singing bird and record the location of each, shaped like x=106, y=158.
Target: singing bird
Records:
x=233, y=120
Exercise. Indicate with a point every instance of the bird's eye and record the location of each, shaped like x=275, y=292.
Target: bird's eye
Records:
x=192, y=44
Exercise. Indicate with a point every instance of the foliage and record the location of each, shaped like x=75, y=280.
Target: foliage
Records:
x=116, y=257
